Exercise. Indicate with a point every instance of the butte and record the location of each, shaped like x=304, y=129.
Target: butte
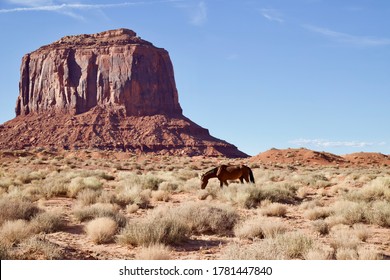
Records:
x=106, y=91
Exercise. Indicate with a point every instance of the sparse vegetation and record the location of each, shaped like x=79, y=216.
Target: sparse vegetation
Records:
x=101, y=230
x=149, y=203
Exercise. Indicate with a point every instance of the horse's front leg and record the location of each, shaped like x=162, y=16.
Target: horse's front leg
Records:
x=220, y=183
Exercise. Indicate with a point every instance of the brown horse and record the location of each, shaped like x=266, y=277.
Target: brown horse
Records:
x=228, y=172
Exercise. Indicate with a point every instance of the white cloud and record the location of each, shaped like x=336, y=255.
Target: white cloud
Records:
x=30, y=2
x=69, y=8
x=364, y=41
x=272, y=15
x=199, y=14
x=323, y=143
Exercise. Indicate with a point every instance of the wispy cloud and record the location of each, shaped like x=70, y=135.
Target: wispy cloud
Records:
x=363, y=41
x=199, y=14
x=323, y=143
x=69, y=8
x=272, y=15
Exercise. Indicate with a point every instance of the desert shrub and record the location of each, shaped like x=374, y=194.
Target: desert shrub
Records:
x=318, y=254
x=342, y=237
x=378, y=213
x=87, y=197
x=361, y=232
x=154, y=252
x=13, y=209
x=204, y=218
x=321, y=226
x=101, y=230
x=147, y=181
x=185, y=174
x=5, y=253
x=259, y=227
x=150, y=182
x=133, y=195
x=274, y=209
x=369, y=254
x=15, y=231
x=290, y=245
x=161, y=195
x=37, y=247
x=78, y=184
x=350, y=212
x=346, y=254
x=6, y=182
x=154, y=229
x=377, y=189
x=250, y=196
x=47, y=222
x=246, y=196
x=317, y=213
x=98, y=210
x=168, y=186
x=293, y=245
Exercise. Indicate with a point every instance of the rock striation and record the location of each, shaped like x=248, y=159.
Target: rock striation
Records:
x=108, y=91
x=112, y=68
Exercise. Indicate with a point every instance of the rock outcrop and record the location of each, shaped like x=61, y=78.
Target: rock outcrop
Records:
x=112, y=68
x=106, y=91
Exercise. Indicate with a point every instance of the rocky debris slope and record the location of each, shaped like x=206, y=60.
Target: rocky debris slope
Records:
x=108, y=91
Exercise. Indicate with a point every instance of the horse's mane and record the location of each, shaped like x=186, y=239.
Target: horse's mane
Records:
x=211, y=171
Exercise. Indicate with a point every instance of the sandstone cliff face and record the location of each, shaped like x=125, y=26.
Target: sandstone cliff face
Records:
x=112, y=68
x=106, y=91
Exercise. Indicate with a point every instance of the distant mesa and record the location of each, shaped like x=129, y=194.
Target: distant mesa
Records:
x=109, y=91
x=306, y=157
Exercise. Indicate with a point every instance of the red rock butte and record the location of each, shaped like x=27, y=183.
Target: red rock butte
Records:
x=109, y=91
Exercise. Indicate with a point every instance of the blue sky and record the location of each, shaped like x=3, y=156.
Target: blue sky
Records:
x=258, y=74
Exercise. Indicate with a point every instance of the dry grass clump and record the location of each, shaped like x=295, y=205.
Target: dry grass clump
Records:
x=88, y=197
x=290, y=245
x=98, y=210
x=38, y=248
x=369, y=254
x=377, y=189
x=14, y=209
x=101, y=230
x=259, y=227
x=319, y=253
x=250, y=196
x=154, y=252
x=349, y=212
x=47, y=222
x=274, y=209
x=378, y=213
x=321, y=226
x=14, y=232
x=5, y=253
x=160, y=195
x=204, y=218
x=78, y=184
x=154, y=229
x=343, y=237
x=317, y=213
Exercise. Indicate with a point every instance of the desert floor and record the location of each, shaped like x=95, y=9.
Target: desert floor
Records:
x=106, y=205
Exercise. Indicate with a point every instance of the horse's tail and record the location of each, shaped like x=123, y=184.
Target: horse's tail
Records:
x=251, y=177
